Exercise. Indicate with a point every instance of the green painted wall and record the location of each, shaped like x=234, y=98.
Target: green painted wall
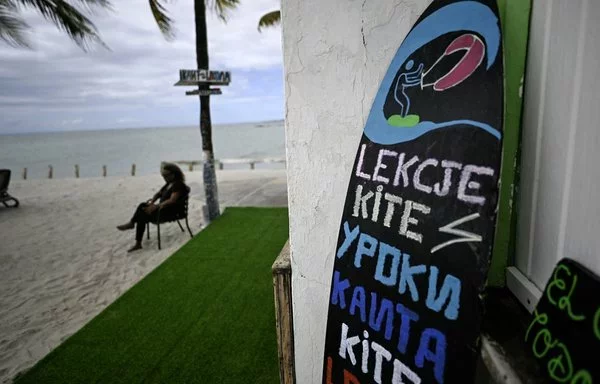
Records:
x=515, y=15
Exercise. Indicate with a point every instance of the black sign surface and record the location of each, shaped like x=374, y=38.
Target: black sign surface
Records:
x=564, y=333
x=416, y=234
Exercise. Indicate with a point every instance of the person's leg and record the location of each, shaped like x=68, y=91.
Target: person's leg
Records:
x=139, y=219
x=140, y=226
x=139, y=230
x=139, y=234
x=138, y=214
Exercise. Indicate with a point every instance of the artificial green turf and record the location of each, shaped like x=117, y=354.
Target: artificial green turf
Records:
x=206, y=315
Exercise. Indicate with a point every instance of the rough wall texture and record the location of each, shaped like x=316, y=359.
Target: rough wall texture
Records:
x=335, y=55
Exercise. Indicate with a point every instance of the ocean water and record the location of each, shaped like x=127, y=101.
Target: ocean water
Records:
x=145, y=147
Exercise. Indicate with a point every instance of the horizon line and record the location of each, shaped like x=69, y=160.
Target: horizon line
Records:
x=138, y=127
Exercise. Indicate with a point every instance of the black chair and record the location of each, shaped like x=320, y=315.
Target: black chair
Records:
x=181, y=214
x=4, y=196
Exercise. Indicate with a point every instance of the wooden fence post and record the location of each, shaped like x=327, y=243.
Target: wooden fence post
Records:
x=50, y=171
x=24, y=173
x=104, y=170
x=284, y=318
x=133, y=169
x=77, y=171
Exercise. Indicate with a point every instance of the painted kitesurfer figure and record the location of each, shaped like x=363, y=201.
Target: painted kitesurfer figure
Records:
x=407, y=80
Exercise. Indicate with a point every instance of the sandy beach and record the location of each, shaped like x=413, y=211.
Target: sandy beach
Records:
x=62, y=261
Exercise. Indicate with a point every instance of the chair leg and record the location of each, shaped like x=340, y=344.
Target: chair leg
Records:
x=158, y=230
x=182, y=230
x=188, y=227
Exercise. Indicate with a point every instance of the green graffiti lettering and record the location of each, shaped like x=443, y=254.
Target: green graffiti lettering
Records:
x=560, y=367
x=538, y=318
x=597, y=324
x=564, y=303
x=582, y=377
x=548, y=343
x=556, y=282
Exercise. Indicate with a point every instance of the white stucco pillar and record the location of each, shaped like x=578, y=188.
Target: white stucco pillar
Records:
x=335, y=55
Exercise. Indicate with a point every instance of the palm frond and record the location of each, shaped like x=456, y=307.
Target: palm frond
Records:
x=164, y=22
x=92, y=5
x=47, y=6
x=223, y=7
x=269, y=20
x=69, y=19
x=12, y=28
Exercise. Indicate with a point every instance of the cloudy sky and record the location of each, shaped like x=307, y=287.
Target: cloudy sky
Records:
x=57, y=86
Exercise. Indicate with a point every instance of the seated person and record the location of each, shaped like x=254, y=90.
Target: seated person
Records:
x=170, y=203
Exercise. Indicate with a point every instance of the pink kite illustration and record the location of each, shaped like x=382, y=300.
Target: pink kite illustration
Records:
x=474, y=53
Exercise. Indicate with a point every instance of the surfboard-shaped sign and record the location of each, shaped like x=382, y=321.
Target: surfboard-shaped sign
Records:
x=416, y=234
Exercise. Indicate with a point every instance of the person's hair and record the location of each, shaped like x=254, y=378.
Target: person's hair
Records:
x=175, y=170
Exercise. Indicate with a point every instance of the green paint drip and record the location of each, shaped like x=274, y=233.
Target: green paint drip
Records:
x=404, y=122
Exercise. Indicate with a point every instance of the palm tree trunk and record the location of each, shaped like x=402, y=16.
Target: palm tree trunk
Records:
x=210, y=178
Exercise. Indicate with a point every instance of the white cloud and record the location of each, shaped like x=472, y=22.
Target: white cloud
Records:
x=72, y=122
x=127, y=120
x=140, y=69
